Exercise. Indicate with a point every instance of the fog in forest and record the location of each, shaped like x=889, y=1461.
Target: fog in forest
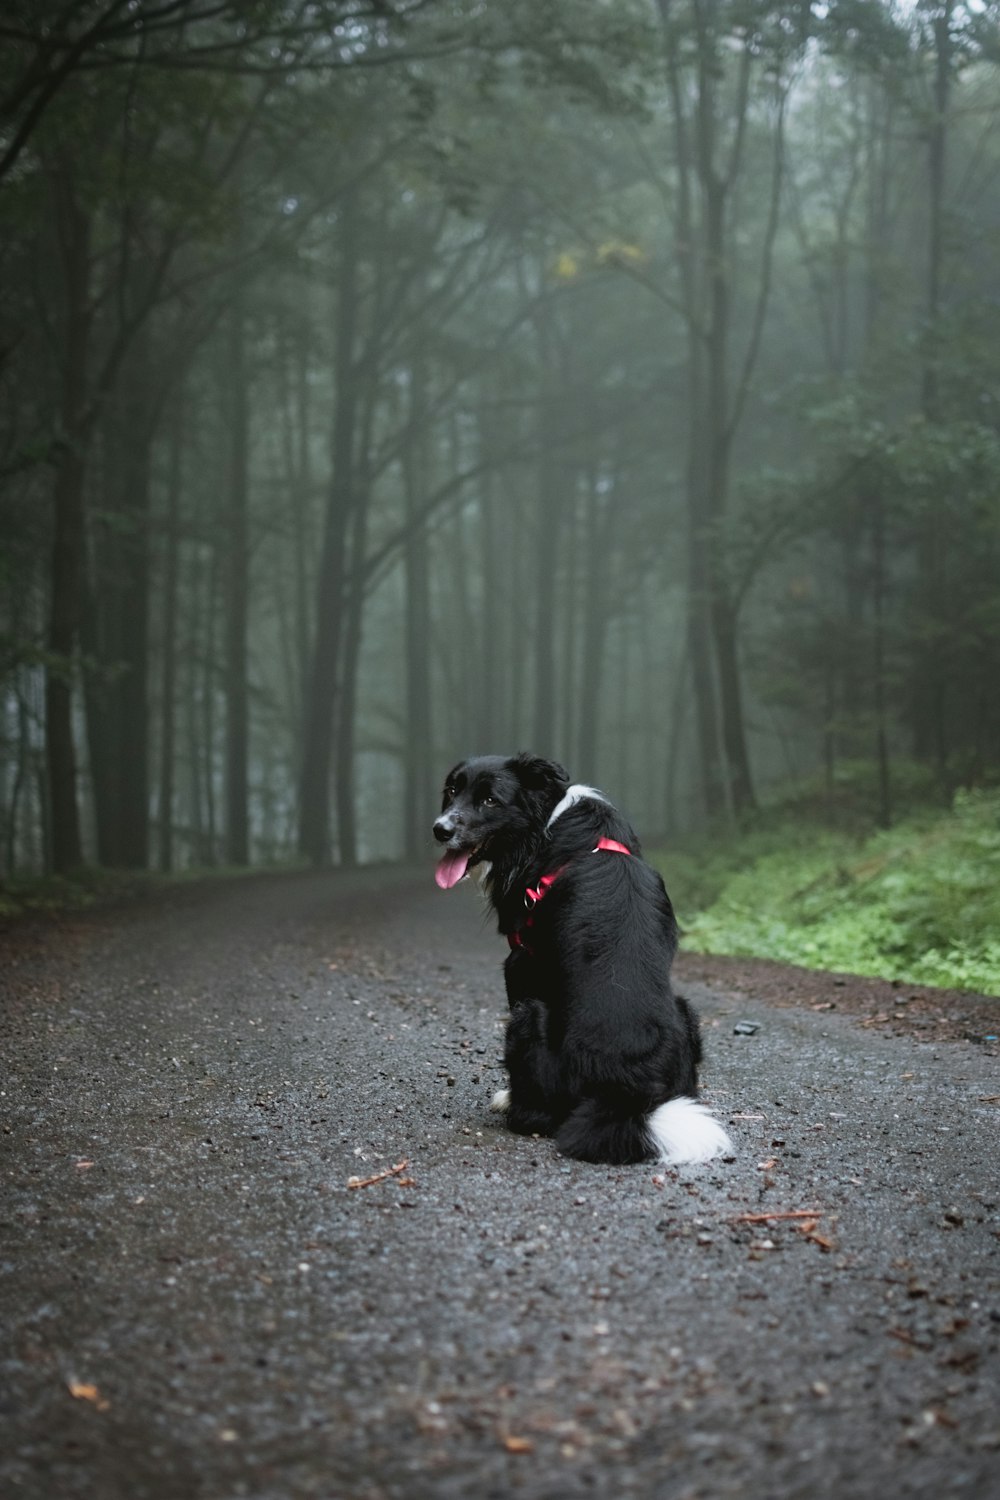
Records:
x=385, y=381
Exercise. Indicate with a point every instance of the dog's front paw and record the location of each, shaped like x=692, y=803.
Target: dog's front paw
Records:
x=500, y=1102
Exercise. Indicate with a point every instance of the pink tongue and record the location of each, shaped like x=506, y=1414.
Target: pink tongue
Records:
x=451, y=869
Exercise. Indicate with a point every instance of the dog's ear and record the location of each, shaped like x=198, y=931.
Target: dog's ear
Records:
x=538, y=775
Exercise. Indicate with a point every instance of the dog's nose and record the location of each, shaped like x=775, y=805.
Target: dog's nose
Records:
x=443, y=830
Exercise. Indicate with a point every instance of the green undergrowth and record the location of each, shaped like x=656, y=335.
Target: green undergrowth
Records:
x=919, y=902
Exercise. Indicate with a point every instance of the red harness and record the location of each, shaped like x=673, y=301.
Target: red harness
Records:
x=533, y=895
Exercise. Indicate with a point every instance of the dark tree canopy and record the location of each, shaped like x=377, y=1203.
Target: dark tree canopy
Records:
x=388, y=380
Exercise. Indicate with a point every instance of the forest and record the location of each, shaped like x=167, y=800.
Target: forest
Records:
x=385, y=381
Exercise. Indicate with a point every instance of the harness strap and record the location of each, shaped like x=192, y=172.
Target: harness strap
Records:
x=533, y=895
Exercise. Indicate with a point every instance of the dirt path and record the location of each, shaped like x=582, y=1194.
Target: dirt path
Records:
x=198, y=1307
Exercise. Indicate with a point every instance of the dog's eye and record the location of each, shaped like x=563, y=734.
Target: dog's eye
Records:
x=489, y=802
x=448, y=793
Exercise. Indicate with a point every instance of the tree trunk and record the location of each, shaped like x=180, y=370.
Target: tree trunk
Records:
x=691, y=266
x=317, y=737
x=300, y=518
x=700, y=656
x=418, y=775
x=115, y=627
x=494, y=552
x=66, y=849
x=878, y=662
x=552, y=489
x=595, y=621
x=209, y=853
x=347, y=702
x=133, y=643
x=237, y=562
x=717, y=420
x=930, y=692
x=555, y=481
x=168, y=648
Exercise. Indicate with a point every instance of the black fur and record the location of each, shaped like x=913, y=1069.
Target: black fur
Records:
x=596, y=1038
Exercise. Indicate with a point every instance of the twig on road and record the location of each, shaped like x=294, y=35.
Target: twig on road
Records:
x=360, y=1182
x=765, y=1218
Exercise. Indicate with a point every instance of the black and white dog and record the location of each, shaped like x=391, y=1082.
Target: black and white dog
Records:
x=601, y=1053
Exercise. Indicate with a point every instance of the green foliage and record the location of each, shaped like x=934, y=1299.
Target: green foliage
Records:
x=920, y=902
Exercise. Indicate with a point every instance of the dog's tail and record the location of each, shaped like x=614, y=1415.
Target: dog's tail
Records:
x=680, y=1131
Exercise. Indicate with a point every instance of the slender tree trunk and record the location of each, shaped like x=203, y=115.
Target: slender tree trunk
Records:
x=717, y=428
x=595, y=622
x=495, y=602
x=132, y=646
x=878, y=662
x=552, y=483
x=347, y=703
x=237, y=564
x=574, y=616
x=66, y=849
x=691, y=266
x=724, y=627
x=678, y=708
x=300, y=518
x=191, y=699
x=21, y=773
x=418, y=776
x=317, y=738
x=700, y=654
x=209, y=676
x=555, y=486
x=115, y=627
x=168, y=663
x=937, y=141
x=930, y=683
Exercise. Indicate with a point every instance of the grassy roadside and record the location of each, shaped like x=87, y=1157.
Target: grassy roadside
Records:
x=919, y=902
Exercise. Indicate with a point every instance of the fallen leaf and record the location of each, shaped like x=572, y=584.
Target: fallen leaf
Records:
x=518, y=1444
x=81, y=1390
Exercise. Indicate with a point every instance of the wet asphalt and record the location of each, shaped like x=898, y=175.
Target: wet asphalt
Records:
x=197, y=1306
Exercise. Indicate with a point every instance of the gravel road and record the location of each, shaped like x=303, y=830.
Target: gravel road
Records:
x=198, y=1306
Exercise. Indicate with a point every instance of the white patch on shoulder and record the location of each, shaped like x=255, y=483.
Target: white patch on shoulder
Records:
x=575, y=793
x=500, y=1101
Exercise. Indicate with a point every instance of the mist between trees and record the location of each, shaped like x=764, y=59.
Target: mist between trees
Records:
x=383, y=382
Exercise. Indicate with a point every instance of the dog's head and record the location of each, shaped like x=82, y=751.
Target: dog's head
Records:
x=490, y=804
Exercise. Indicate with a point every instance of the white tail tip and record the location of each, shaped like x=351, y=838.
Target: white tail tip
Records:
x=684, y=1131
x=500, y=1101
